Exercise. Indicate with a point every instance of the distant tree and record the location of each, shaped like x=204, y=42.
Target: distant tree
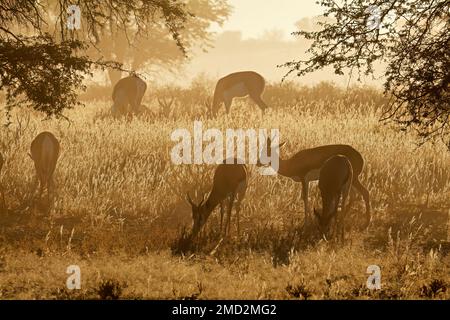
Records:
x=410, y=37
x=151, y=47
x=46, y=70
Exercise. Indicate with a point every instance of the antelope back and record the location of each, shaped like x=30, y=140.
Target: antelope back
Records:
x=334, y=174
x=45, y=153
x=228, y=178
x=132, y=86
x=335, y=179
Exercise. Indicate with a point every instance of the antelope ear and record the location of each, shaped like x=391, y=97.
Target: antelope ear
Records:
x=189, y=200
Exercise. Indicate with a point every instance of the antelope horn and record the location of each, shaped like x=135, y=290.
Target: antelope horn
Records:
x=188, y=197
x=203, y=200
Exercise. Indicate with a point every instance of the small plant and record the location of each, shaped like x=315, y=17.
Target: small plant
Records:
x=433, y=289
x=110, y=289
x=183, y=244
x=299, y=291
x=206, y=242
x=281, y=250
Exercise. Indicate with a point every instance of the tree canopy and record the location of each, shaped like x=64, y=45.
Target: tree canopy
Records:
x=153, y=48
x=411, y=38
x=43, y=61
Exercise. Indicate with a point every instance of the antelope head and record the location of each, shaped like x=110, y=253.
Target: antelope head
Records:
x=323, y=222
x=267, y=154
x=324, y=217
x=199, y=215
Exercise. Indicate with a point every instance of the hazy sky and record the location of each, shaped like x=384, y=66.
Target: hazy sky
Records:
x=253, y=17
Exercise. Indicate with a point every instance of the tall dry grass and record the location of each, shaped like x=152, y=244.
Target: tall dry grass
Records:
x=119, y=196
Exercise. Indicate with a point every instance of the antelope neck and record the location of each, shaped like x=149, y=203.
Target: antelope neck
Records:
x=210, y=205
x=283, y=168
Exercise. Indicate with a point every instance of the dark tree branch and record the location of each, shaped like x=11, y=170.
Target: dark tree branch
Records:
x=414, y=46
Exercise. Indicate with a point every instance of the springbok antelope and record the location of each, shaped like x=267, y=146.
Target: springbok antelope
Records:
x=335, y=181
x=239, y=84
x=128, y=91
x=230, y=181
x=305, y=166
x=45, y=153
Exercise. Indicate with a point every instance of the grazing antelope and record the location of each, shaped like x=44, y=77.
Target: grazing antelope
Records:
x=230, y=181
x=335, y=181
x=45, y=154
x=305, y=166
x=128, y=91
x=239, y=84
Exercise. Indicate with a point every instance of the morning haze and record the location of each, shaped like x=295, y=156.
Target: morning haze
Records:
x=167, y=178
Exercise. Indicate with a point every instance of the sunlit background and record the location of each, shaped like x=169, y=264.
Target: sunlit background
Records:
x=255, y=18
x=258, y=36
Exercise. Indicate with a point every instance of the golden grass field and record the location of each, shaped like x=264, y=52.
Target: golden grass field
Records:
x=120, y=208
